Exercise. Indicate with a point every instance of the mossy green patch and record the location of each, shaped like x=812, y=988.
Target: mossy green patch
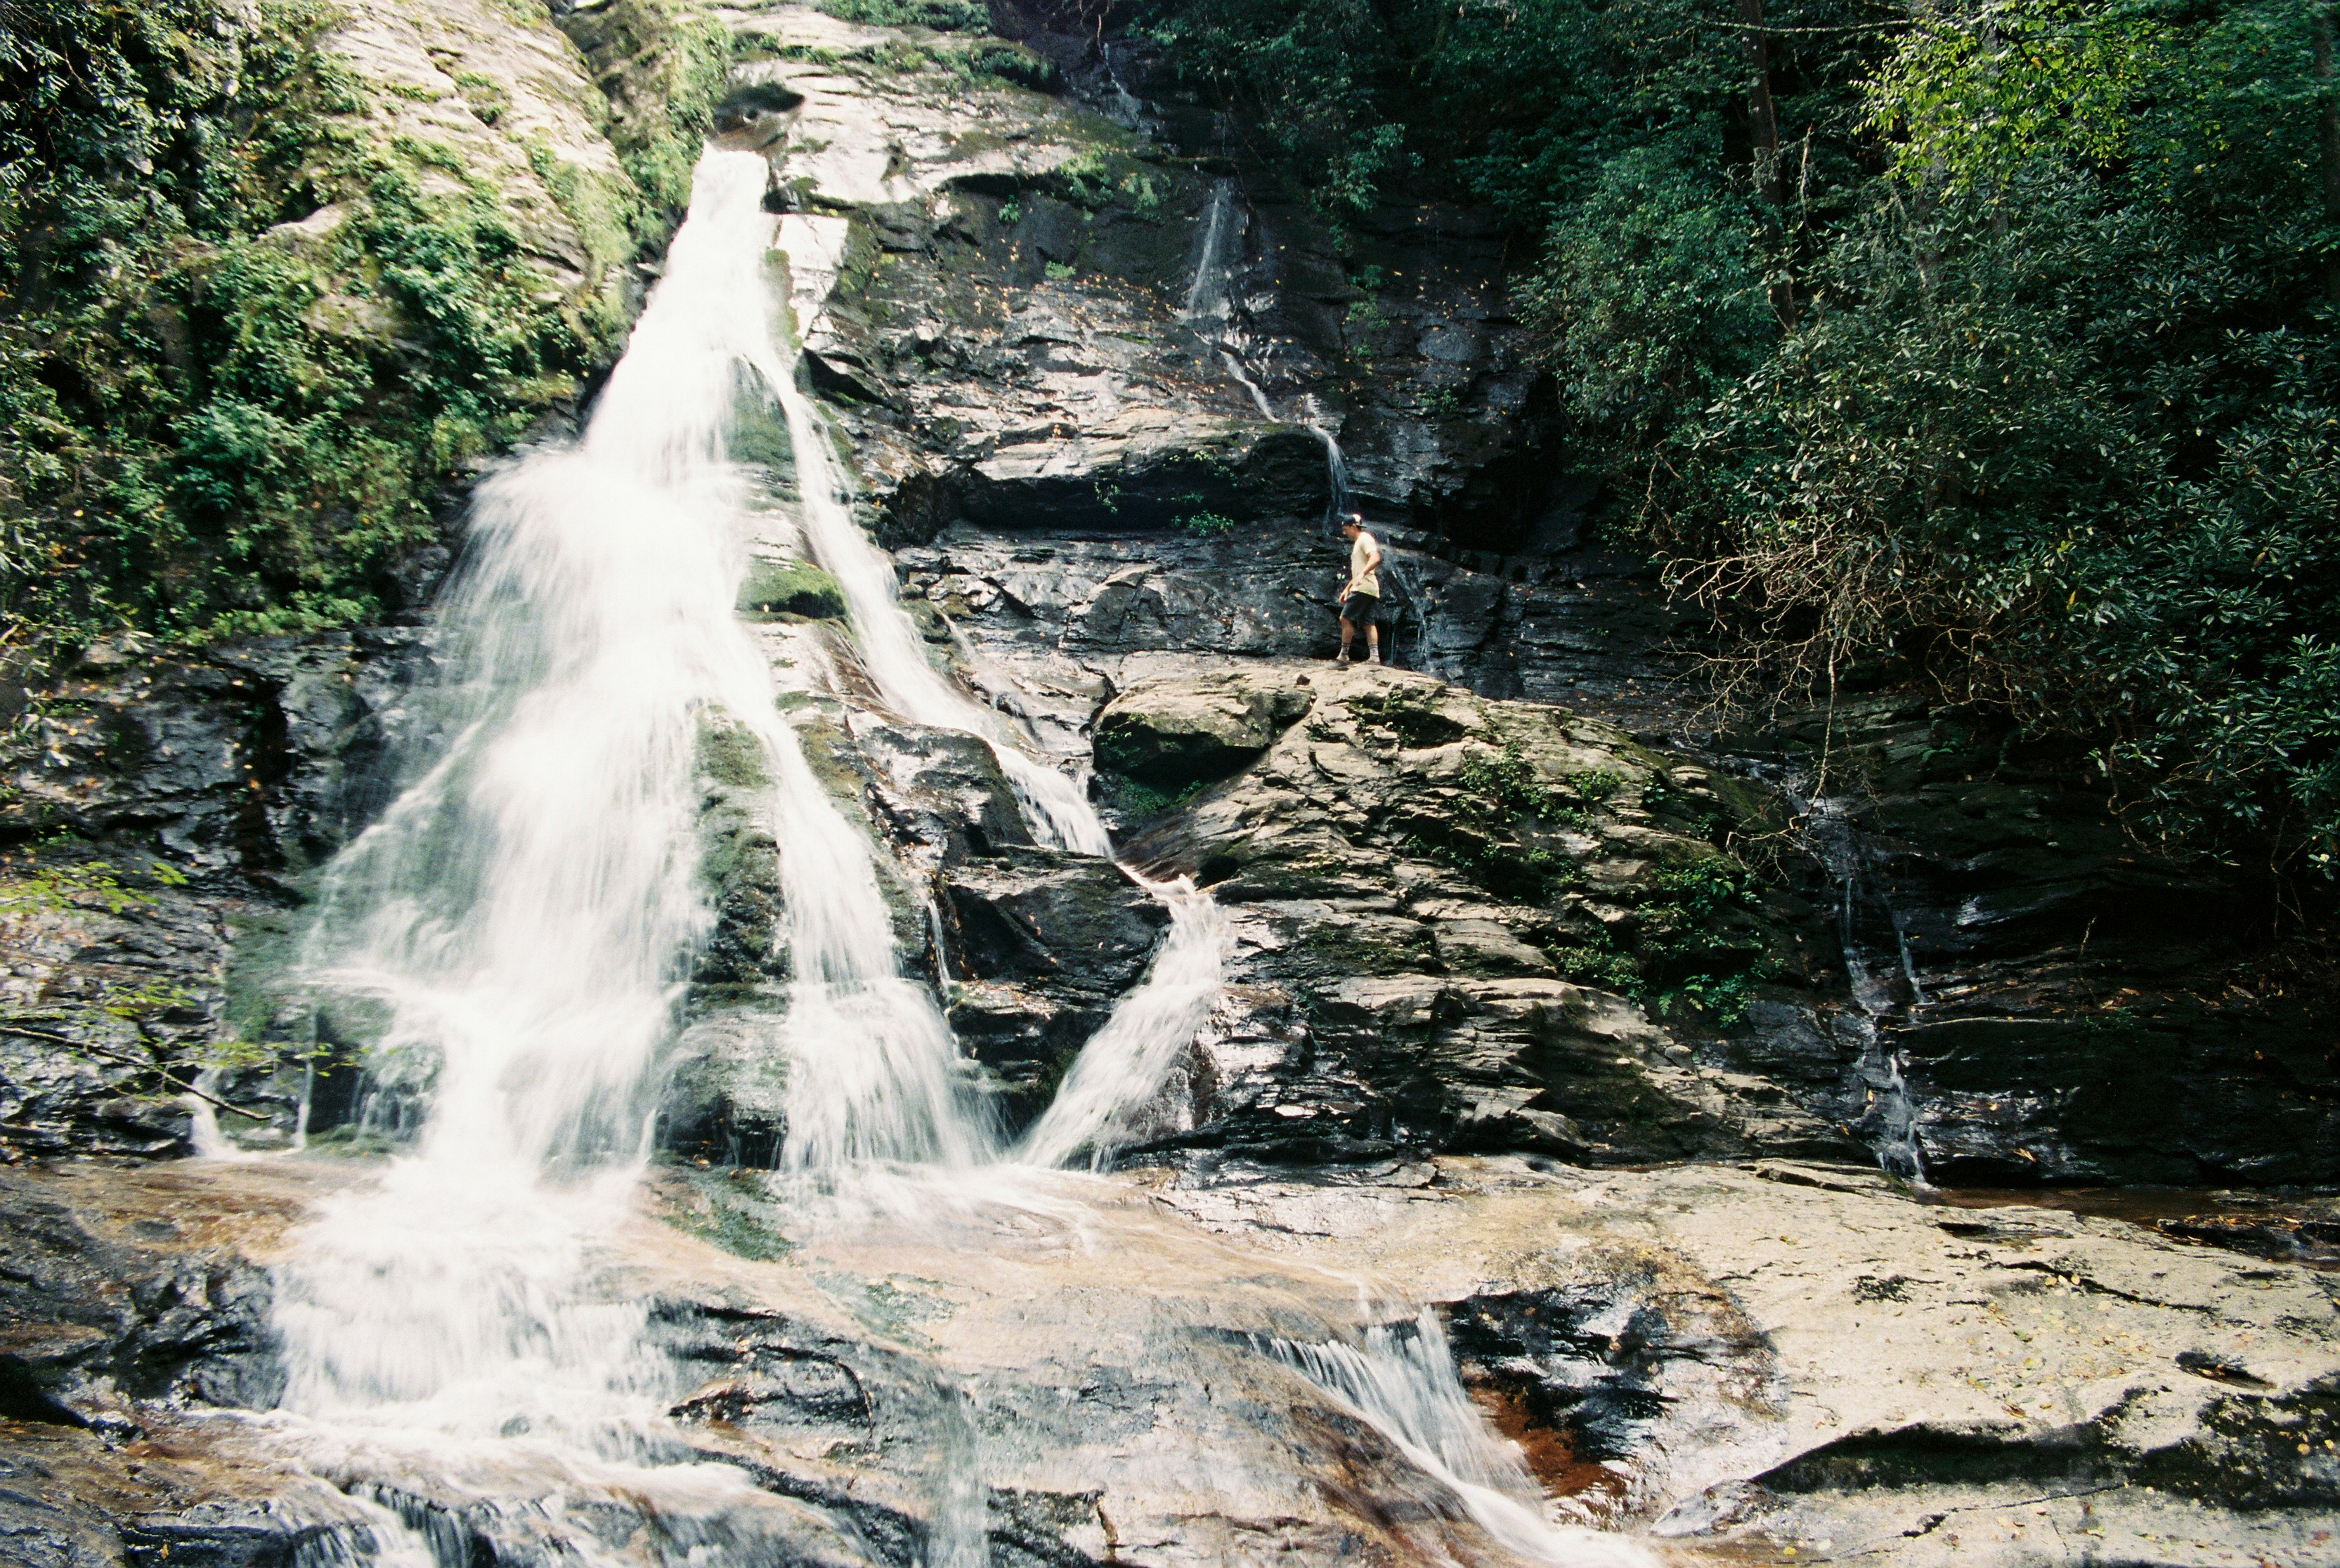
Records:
x=731, y=1209
x=731, y=755
x=212, y=422
x=791, y=588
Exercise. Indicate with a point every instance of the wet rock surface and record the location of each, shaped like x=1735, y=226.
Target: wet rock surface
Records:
x=2041, y=979
x=1498, y=936
x=166, y=815
x=1734, y=1361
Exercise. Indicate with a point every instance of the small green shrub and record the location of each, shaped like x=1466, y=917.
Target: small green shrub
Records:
x=1209, y=524
x=940, y=16
x=1139, y=799
x=1009, y=63
x=1601, y=965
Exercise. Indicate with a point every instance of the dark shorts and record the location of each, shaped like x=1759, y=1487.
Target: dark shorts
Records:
x=1361, y=607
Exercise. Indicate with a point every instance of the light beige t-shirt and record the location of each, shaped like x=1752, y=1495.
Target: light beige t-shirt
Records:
x=1364, y=564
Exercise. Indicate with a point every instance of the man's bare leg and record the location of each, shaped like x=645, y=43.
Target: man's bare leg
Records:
x=1348, y=636
x=1374, y=640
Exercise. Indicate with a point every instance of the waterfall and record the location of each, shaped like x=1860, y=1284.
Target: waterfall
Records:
x=1128, y=1060
x=1123, y=1066
x=892, y=651
x=521, y=920
x=1890, y=1112
x=1211, y=309
x=1206, y=295
x=519, y=928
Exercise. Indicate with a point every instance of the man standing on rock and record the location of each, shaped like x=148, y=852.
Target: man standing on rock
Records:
x=1362, y=599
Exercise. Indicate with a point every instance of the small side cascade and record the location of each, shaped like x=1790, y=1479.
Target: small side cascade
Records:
x=1891, y=1121
x=1210, y=311
x=1336, y=462
x=1401, y=1378
x=1126, y=1063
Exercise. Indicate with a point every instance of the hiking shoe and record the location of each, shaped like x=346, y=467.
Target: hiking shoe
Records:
x=1373, y=658
x=1342, y=657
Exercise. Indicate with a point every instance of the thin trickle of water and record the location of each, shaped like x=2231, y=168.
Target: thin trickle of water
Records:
x=1401, y=1378
x=892, y=651
x=1892, y=1116
x=1206, y=294
x=1336, y=462
x=1211, y=309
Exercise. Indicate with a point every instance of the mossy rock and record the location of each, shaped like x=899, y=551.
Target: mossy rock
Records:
x=791, y=588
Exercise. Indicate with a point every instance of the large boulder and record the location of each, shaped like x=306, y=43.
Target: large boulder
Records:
x=1176, y=731
x=1461, y=923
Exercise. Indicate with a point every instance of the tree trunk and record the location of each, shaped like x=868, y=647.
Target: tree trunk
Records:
x=2322, y=28
x=1763, y=120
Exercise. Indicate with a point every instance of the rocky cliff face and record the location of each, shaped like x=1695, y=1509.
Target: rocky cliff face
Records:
x=1546, y=1004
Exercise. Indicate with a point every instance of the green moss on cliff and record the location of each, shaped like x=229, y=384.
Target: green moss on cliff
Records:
x=663, y=66
x=243, y=344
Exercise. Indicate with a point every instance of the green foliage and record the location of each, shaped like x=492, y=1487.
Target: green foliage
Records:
x=209, y=424
x=1507, y=779
x=1141, y=799
x=34, y=882
x=1209, y=524
x=1702, y=889
x=673, y=102
x=1303, y=72
x=1972, y=97
x=941, y=16
x=2013, y=371
x=1721, y=1001
x=1599, y=963
x=1440, y=403
x=1652, y=298
x=1010, y=63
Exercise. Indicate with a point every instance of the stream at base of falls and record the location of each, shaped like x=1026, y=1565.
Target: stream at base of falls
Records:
x=485, y=1336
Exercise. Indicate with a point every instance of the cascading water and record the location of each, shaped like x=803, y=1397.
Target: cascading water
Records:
x=891, y=649
x=1119, y=1070
x=1400, y=1379
x=1891, y=1119
x=1126, y=1062
x=521, y=916
x=519, y=924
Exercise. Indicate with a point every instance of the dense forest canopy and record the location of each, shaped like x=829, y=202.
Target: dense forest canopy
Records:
x=1990, y=341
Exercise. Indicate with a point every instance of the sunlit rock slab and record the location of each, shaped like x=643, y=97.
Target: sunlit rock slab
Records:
x=1738, y=1359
